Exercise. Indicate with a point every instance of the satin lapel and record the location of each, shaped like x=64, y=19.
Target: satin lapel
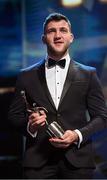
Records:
x=69, y=79
x=42, y=78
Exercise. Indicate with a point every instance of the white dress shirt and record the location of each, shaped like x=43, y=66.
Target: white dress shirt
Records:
x=55, y=78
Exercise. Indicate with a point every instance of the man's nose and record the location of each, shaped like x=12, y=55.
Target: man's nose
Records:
x=58, y=34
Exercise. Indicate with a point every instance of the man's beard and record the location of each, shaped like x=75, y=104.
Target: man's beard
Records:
x=54, y=52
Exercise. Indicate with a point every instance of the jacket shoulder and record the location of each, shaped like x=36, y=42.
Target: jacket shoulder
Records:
x=83, y=67
x=32, y=67
x=83, y=72
x=30, y=72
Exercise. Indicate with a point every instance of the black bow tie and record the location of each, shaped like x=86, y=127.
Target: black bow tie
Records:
x=52, y=63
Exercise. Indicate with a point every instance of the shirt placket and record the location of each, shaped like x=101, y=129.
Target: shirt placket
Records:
x=57, y=85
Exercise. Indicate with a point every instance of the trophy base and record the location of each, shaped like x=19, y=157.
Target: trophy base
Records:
x=55, y=130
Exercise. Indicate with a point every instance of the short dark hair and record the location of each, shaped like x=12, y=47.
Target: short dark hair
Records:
x=55, y=17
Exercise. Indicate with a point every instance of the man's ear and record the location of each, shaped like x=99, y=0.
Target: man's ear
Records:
x=43, y=39
x=72, y=38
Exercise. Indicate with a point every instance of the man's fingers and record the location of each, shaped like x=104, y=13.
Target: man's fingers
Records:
x=59, y=145
x=42, y=112
x=38, y=122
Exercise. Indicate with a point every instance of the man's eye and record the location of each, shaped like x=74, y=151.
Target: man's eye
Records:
x=50, y=30
x=64, y=30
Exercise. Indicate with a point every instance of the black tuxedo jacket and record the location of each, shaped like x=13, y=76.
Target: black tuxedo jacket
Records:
x=82, y=107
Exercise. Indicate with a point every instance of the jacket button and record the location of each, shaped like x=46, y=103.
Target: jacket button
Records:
x=58, y=115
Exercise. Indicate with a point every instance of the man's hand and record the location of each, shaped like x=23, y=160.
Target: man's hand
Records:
x=67, y=139
x=36, y=120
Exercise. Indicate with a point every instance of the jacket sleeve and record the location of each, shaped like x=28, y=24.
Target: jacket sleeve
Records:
x=17, y=115
x=96, y=108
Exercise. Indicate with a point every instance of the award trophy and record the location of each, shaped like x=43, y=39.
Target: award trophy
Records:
x=53, y=129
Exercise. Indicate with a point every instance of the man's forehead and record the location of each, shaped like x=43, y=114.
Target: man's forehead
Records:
x=61, y=23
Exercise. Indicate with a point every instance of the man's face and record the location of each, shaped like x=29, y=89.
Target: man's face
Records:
x=57, y=38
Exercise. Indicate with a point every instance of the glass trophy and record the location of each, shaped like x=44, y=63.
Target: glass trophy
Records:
x=53, y=129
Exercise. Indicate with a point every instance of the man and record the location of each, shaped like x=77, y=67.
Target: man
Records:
x=69, y=91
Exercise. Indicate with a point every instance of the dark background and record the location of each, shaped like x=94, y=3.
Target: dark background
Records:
x=20, y=46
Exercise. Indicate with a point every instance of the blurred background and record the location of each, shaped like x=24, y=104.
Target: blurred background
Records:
x=20, y=46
